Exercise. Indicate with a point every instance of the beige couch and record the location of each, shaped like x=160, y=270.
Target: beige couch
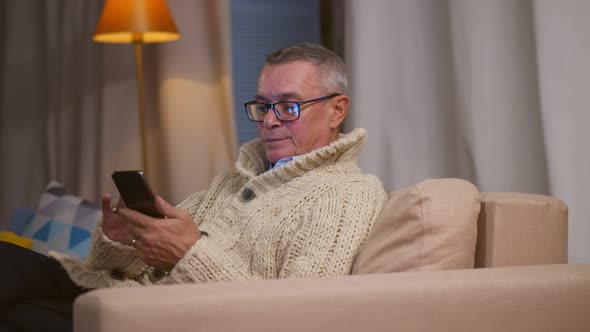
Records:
x=516, y=242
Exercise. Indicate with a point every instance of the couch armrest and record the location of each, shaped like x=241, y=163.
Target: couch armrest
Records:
x=531, y=298
x=521, y=229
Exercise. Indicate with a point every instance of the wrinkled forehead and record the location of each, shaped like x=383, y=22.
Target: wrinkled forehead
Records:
x=297, y=79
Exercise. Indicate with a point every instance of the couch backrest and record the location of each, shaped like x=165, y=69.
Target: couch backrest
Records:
x=437, y=225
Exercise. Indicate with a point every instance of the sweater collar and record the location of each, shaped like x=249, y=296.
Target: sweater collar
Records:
x=252, y=161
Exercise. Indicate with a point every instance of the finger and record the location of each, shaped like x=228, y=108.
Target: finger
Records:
x=106, y=203
x=121, y=203
x=166, y=209
x=136, y=218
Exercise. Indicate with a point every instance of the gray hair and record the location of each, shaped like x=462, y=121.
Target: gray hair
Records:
x=331, y=67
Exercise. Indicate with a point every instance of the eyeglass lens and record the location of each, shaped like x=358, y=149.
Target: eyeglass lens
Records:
x=284, y=110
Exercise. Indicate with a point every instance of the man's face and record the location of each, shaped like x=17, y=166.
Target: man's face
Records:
x=295, y=81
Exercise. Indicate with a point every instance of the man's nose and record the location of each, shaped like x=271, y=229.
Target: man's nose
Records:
x=271, y=120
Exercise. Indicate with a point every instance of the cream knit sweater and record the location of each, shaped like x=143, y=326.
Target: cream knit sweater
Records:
x=307, y=218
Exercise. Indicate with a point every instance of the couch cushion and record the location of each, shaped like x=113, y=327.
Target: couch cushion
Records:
x=429, y=226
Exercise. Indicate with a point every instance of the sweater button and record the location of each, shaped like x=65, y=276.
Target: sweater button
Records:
x=248, y=194
x=158, y=274
x=117, y=274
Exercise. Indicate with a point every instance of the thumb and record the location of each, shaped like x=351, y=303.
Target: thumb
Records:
x=166, y=209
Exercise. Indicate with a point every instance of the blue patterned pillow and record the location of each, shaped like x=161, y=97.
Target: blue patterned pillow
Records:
x=61, y=223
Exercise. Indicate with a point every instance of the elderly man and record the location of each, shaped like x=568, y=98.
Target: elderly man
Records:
x=295, y=205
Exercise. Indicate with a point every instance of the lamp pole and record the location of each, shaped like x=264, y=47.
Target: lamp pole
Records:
x=141, y=105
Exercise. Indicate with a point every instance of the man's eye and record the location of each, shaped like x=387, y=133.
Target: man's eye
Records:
x=287, y=108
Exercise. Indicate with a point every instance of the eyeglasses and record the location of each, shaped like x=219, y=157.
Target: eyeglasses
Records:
x=284, y=110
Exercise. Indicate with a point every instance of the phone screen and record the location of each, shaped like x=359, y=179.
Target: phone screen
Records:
x=136, y=192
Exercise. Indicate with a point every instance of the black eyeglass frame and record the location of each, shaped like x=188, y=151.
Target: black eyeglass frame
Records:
x=296, y=103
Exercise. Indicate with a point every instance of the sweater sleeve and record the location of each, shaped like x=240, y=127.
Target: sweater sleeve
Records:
x=339, y=223
x=106, y=254
x=206, y=261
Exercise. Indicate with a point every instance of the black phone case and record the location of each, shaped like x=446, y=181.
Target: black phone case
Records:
x=136, y=192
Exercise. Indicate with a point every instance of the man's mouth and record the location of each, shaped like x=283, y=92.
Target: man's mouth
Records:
x=274, y=139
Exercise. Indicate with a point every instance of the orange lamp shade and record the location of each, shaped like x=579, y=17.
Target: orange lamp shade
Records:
x=135, y=21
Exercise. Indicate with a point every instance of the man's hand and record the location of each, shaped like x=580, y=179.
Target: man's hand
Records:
x=113, y=225
x=161, y=243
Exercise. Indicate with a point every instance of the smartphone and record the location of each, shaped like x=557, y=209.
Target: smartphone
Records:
x=136, y=192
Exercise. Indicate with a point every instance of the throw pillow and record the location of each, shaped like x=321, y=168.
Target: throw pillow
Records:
x=61, y=222
x=429, y=226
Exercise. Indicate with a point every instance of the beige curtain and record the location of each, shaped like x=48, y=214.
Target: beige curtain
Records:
x=196, y=100
x=69, y=105
x=495, y=92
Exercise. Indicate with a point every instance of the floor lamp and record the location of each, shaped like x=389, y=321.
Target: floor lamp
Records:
x=137, y=22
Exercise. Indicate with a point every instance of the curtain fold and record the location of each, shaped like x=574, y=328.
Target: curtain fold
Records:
x=563, y=50
x=489, y=91
x=195, y=98
x=69, y=105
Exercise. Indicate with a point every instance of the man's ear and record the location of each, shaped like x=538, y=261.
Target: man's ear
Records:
x=339, y=110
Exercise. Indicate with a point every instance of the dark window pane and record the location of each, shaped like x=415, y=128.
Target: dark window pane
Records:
x=258, y=28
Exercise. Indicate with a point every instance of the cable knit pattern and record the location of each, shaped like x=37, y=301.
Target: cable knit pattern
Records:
x=307, y=218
